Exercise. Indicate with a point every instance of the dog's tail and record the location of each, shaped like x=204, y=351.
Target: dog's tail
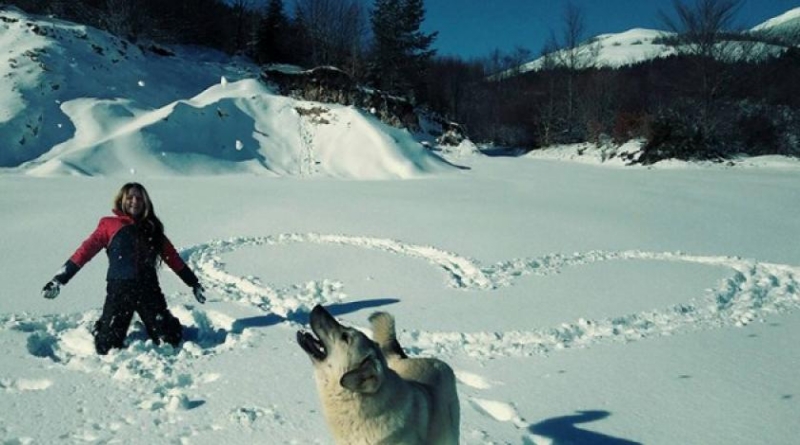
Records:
x=384, y=334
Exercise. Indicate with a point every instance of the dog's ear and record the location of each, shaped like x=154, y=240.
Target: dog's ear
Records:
x=383, y=332
x=367, y=378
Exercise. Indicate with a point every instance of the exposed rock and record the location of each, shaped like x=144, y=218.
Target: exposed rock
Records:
x=453, y=134
x=332, y=85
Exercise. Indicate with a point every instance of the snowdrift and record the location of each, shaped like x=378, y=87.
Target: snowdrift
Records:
x=79, y=101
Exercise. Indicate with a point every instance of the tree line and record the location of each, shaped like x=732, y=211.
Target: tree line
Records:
x=719, y=96
x=382, y=46
x=699, y=103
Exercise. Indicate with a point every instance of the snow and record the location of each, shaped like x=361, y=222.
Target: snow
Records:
x=785, y=19
x=616, y=50
x=639, y=45
x=577, y=301
x=81, y=102
x=648, y=298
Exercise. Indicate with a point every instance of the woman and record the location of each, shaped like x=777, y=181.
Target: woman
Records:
x=135, y=243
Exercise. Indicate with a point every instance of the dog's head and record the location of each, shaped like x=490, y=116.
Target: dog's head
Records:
x=342, y=354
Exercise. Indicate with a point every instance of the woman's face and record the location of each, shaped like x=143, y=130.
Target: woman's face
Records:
x=133, y=203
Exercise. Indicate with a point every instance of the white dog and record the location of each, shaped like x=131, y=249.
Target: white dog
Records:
x=372, y=393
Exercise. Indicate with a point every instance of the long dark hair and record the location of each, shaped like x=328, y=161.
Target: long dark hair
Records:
x=151, y=227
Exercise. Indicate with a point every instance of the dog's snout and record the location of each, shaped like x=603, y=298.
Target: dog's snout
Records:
x=322, y=321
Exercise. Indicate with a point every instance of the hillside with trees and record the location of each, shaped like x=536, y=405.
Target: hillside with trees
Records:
x=719, y=95
x=721, y=92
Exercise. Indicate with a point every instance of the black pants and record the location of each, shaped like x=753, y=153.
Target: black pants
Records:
x=124, y=297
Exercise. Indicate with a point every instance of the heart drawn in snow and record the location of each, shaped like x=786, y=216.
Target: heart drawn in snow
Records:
x=754, y=290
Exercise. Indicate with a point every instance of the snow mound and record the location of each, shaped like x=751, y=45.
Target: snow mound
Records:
x=79, y=101
x=465, y=148
x=45, y=62
x=232, y=128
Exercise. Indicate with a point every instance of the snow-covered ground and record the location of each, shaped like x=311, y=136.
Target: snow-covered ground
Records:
x=578, y=302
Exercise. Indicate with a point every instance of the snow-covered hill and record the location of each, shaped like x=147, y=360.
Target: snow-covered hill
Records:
x=639, y=45
x=80, y=101
x=785, y=26
x=614, y=50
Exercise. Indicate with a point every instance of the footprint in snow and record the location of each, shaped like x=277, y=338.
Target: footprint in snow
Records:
x=472, y=380
x=22, y=385
x=162, y=377
x=499, y=411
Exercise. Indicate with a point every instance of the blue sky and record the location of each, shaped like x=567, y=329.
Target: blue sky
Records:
x=474, y=28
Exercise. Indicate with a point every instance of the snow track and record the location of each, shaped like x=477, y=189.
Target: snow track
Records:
x=754, y=291
x=167, y=383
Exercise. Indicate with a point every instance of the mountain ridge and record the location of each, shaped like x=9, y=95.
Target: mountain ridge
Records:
x=637, y=45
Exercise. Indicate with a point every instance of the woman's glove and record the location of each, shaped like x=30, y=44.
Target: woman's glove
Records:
x=51, y=289
x=199, y=293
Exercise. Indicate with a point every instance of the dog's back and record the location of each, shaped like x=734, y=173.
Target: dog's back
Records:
x=434, y=374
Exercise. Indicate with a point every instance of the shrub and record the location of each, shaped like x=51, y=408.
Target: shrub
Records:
x=678, y=136
x=629, y=126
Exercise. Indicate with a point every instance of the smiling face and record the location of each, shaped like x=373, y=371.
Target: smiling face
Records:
x=133, y=203
x=133, y=200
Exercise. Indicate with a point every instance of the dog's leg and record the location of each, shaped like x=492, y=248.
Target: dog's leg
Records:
x=384, y=334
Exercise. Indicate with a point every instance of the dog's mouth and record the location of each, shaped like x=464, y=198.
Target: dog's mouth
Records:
x=312, y=345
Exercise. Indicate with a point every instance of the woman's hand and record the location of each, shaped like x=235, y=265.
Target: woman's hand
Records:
x=199, y=293
x=51, y=289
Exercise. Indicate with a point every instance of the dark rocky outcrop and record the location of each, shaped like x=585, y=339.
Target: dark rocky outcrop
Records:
x=332, y=85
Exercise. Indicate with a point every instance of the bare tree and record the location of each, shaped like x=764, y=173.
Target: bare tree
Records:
x=121, y=18
x=703, y=32
x=240, y=8
x=700, y=27
x=335, y=31
x=572, y=51
x=571, y=54
x=548, y=109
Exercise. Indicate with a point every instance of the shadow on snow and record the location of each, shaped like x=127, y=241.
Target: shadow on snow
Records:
x=563, y=430
x=336, y=309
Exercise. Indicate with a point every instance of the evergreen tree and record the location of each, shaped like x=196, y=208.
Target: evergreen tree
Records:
x=273, y=34
x=401, y=50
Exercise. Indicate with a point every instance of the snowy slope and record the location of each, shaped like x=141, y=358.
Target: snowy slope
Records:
x=616, y=50
x=47, y=63
x=788, y=21
x=231, y=128
x=82, y=102
x=639, y=45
